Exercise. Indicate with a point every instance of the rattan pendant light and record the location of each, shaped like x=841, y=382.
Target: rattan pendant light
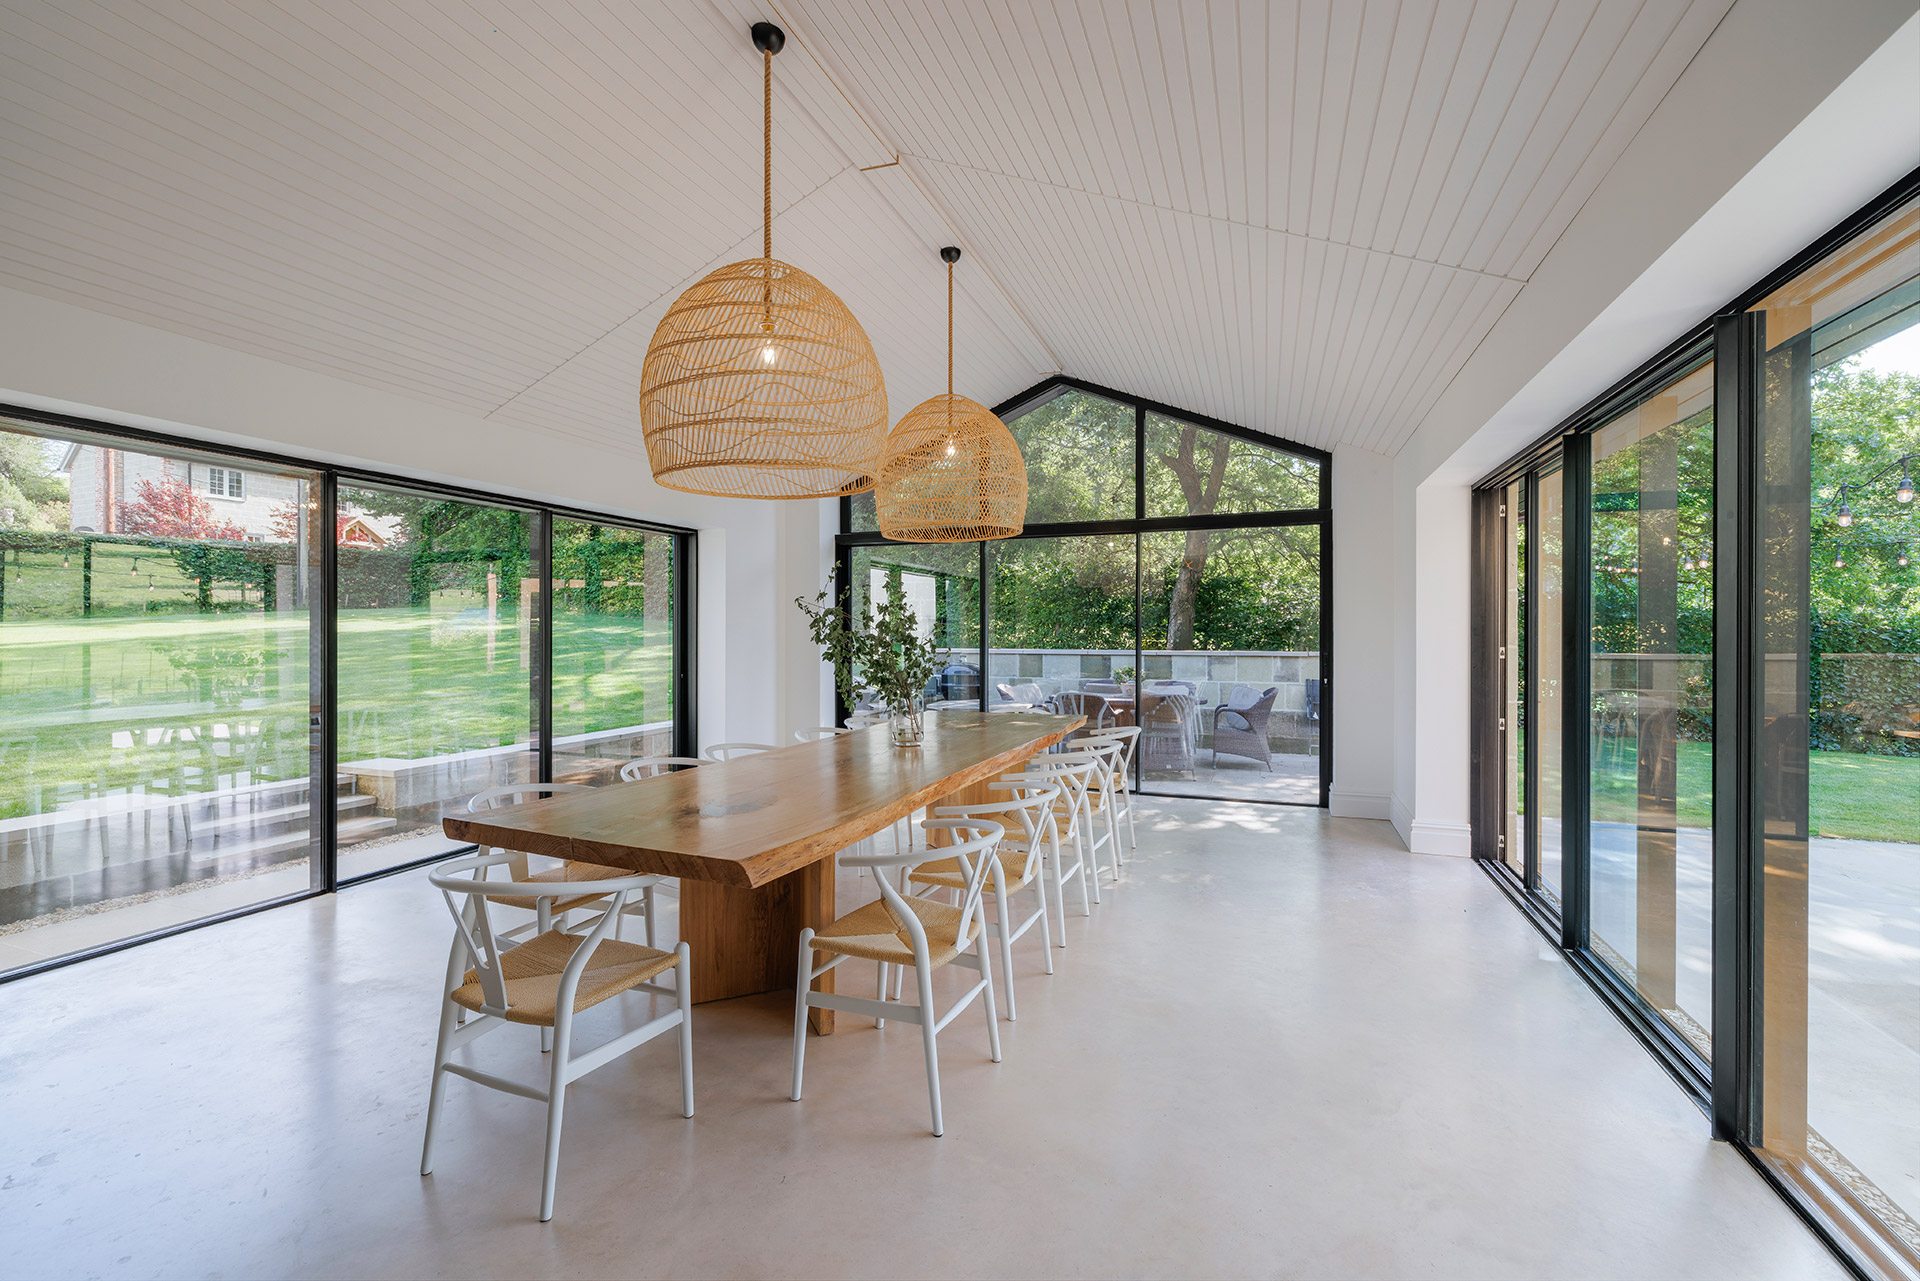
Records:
x=951, y=472
x=759, y=383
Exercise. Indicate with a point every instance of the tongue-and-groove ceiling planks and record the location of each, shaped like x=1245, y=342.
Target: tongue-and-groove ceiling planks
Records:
x=1300, y=217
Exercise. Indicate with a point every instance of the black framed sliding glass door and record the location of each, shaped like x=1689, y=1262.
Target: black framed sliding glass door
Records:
x=229, y=679
x=1697, y=667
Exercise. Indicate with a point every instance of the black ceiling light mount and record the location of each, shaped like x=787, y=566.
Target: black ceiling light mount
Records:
x=768, y=38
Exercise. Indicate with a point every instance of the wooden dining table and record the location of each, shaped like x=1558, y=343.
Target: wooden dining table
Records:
x=753, y=839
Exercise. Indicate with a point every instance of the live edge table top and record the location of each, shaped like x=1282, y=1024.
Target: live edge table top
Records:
x=753, y=819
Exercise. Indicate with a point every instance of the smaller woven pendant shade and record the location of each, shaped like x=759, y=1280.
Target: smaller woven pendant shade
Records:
x=951, y=472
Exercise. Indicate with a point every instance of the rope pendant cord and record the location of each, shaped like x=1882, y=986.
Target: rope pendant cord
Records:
x=766, y=183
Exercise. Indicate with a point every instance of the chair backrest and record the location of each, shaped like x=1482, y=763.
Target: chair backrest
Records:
x=494, y=798
x=647, y=766
x=816, y=733
x=1167, y=710
x=727, y=751
x=1026, y=807
x=1128, y=738
x=863, y=720
x=1079, y=703
x=976, y=850
x=468, y=893
x=1074, y=771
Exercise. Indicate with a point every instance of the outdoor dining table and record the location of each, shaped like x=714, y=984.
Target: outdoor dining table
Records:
x=753, y=839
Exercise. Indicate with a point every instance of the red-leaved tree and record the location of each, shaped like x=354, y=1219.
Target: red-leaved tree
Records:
x=171, y=509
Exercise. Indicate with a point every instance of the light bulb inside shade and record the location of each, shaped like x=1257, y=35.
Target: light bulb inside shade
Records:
x=1839, y=562
x=770, y=354
x=1844, y=516
x=951, y=447
x=1905, y=492
x=1903, y=560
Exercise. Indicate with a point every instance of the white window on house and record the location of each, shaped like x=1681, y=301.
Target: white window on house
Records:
x=225, y=482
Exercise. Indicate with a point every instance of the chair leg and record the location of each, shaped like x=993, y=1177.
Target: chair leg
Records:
x=437, y=1088
x=1005, y=911
x=1133, y=840
x=802, y=982
x=1046, y=930
x=880, y=993
x=556, y=1108
x=993, y=1016
x=543, y=921
x=930, y=1039
x=683, y=980
x=646, y=899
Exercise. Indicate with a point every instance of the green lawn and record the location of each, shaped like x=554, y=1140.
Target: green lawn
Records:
x=1856, y=796
x=413, y=682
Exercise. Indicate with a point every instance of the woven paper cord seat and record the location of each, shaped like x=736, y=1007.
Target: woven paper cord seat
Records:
x=532, y=973
x=1019, y=865
x=871, y=933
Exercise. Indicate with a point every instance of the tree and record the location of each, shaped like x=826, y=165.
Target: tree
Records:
x=170, y=508
x=31, y=496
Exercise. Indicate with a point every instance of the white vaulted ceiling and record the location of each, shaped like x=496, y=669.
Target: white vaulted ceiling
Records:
x=1300, y=217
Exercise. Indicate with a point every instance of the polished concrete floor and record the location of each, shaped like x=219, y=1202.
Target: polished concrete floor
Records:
x=1283, y=1047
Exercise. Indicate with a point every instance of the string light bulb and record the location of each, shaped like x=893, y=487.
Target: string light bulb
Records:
x=1904, y=494
x=1844, y=515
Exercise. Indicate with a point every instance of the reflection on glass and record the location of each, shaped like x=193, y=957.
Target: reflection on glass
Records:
x=1061, y=626
x=1652, y=715
x=941, y=584
x=1513, y=677
x=613, y=592
x=438, y=602
x=155, y=651
x=1195, y=472
x=1549, y=710
x=1230, y=641
x=1840, y=731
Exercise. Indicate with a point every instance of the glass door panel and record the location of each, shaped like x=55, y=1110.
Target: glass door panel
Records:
x=1839, y=749
x=1229, y=654
x=1549, y=708
x=1651, y=871
x=941, y=584
x=1061, y=625
x=156, y=675
x=613, y=693
x=1513, y=677
x=438, y=606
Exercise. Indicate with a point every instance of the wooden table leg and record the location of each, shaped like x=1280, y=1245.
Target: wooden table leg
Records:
x=747, y=941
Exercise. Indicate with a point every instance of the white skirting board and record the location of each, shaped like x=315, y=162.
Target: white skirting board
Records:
x=1343, y=803
x=1426, y=836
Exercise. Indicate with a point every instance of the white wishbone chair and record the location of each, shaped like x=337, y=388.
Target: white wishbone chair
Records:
x=1100, y=796
x=898, y=929
x=818, y=732
x=647, y=766
x=727, y=751
x=1018, y=866
x=1128, y=736
x=565, y=898
x=1073, y=813
x=544, y=982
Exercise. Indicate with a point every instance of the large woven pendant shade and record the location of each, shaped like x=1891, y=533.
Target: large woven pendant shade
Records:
x=759, y=382
x=951, y=472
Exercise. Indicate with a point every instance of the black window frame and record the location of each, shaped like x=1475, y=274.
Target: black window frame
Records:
x=1727, y=1090
x=324, y=674
x=1320, y=515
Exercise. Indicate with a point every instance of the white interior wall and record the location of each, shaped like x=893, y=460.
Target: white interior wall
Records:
x=61, y=358
x=1810, y=110
x=1363, y=604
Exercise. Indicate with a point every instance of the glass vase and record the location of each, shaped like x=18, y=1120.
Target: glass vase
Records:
x=907, y=722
